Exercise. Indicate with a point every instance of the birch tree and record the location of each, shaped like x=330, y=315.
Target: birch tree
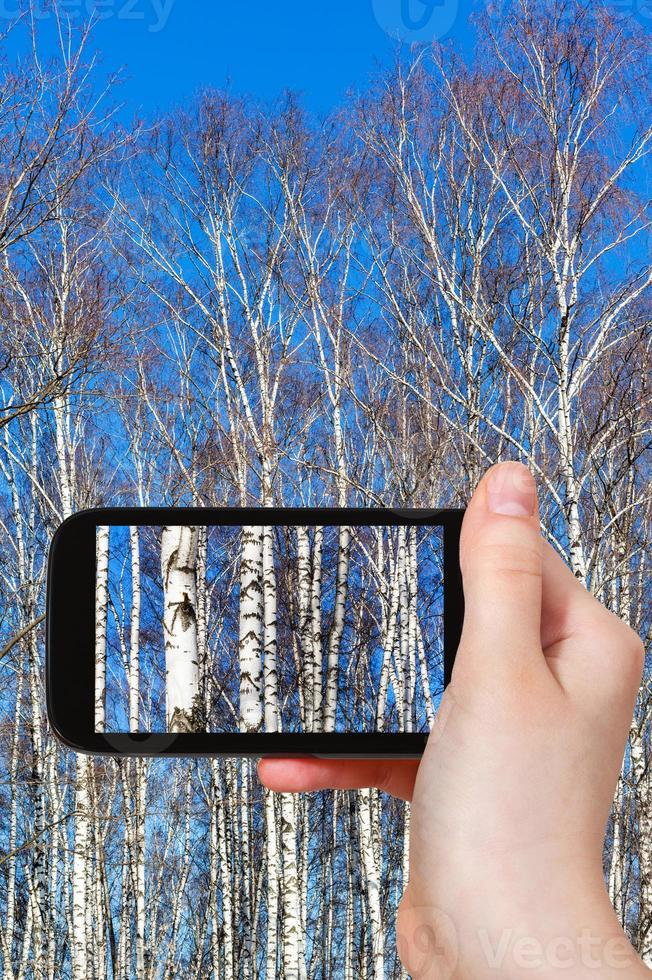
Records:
x=179, y=571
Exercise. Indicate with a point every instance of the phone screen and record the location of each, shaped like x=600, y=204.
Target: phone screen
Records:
x=297, y=629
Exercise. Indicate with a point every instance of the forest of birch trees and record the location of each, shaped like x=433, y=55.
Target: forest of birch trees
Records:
x=267, y=628
x=241, y=304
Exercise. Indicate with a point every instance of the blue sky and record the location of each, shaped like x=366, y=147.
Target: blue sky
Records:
x=319, y=48
x=170, y=48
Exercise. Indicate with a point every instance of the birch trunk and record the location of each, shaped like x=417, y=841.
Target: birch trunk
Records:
x=389, y=620
x=10, y=903
x=213, y=879
x=39, y=859
x=134, y=634
x=251, y=640
x=337, y=629
x=641, y=783
x=225, y=871
x=615, y=880
x=179, y=567
x=294, y=964
x=245, y=893
x=404, y=612
x=307, y=665
x=273, y=876
x=102, y=594
x=316, y=630
x=138, y=766
x=80, y=965
x=205, y=681
x=140, y=826
x=272, y=716
x=566, y=456
x=349, y=915
x=372, y=884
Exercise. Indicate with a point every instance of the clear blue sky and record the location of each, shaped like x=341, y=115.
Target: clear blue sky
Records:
x=170, y=48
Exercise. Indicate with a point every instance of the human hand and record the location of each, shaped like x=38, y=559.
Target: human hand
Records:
x=512, y=795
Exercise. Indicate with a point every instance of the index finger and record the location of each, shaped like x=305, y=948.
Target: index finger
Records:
x=306, y=775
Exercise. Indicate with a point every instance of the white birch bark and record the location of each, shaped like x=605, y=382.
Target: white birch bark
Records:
x=80, y=965
x=205, y=681
x=372, y=884
x=102, y=595
x=411, y=573
x=80, y=865
x=640, y=781
x=337, y=629
x=121, y=968
x=389, y=620
x=39, y=859
x=294, y=964
x=134, y=634
x=10, y=904
x=138, y=766
x=179, y=569
x=213, y=879
x=316, y=630
x=307, y=665
x=273, y=879
x=291, y=930
x=404, y=613
x=349, y=916
x=251, y=636
x=270, y=693
x=96, y=920
x=224, y=864
x=615, y=876
x=576, y=554
x=244, y=872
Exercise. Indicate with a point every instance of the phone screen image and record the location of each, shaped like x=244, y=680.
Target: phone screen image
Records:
x=268, y=629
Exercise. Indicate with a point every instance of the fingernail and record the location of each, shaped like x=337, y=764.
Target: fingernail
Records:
x=510, y=490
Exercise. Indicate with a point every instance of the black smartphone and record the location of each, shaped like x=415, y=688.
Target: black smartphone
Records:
x=251, y=631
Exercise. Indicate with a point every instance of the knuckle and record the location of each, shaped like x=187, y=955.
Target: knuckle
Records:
x=620, y=637
x=634, y=650
x=502, y=559
x=382, y=779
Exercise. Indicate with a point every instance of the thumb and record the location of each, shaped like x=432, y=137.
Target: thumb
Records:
x=501, y=563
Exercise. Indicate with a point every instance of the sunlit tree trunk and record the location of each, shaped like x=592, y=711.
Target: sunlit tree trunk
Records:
x=273, y=879
x=372, y=883
x=251, y=639
x=270, y=693
x=316, y=682
x=81, y=952
x=138, y=767
x=179, y=569
x=332, y=666
x=134, y=633
x=224, y=864
x=306, y=652
x=101, y=591
x=10, y=904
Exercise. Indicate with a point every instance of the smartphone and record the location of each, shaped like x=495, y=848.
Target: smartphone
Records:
x=251, y=631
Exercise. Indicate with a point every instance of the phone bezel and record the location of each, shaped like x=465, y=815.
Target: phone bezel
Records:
x=70, y=660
